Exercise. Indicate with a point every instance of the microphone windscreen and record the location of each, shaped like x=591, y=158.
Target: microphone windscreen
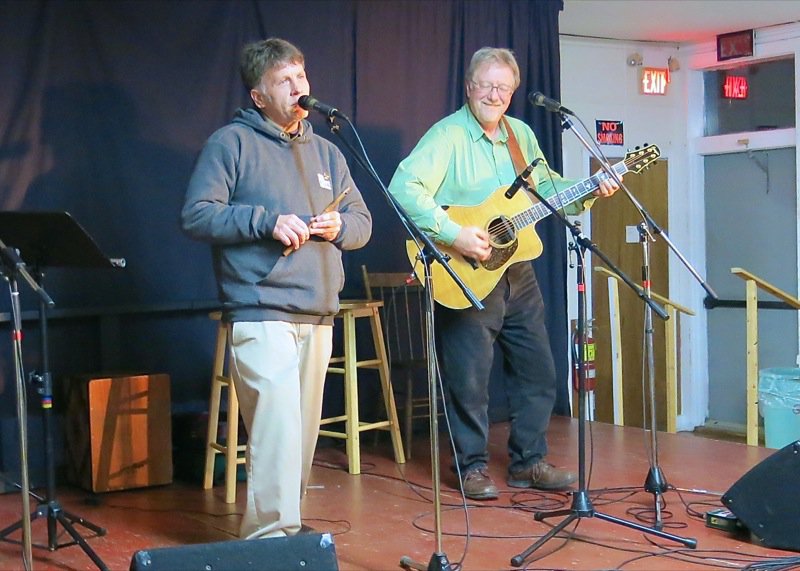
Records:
x=306, y=102
x=536, y=97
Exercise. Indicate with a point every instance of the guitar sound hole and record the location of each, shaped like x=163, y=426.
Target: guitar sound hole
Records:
x=501, y=232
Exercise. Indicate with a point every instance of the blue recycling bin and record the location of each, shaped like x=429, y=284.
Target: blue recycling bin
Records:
x=779, y=404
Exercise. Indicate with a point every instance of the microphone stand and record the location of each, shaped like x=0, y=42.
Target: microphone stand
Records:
x=50, y=234
x=655, y=482
x=581, y=502
x=13, y=265
x=428, y=254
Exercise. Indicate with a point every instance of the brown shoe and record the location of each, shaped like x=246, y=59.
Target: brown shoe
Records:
x=543, y=476
x=478, y=485
x=306, y=529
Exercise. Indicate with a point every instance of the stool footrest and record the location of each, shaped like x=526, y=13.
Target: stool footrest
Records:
x=381, y=425
x=218, y=448
x=367, y=364
x=362, y=426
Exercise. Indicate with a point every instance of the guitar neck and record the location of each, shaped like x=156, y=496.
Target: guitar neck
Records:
x=565, y=197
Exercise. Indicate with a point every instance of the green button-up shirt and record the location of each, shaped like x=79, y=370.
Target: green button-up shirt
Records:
x=455, y=163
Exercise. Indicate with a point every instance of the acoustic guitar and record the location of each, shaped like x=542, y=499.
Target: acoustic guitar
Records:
x=510, y=223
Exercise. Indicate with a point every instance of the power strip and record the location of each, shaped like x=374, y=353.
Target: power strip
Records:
x=723, y=519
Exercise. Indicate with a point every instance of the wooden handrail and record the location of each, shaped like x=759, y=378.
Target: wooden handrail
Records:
x=659, y=298
x=752, y=284
x=768, y=287
x=671, y=352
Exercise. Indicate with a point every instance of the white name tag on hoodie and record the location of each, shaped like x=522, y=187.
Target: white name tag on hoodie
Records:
x=324, y=181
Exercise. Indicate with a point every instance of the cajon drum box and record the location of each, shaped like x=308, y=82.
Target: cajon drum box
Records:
x=118, y=431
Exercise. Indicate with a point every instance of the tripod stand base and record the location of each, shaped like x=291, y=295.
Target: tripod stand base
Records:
x=656, y=484
x=582, y=507
x=438, y=562
x=54, y=515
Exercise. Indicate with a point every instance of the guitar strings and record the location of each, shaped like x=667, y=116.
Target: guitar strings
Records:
x=505, y=228
x=508, y=226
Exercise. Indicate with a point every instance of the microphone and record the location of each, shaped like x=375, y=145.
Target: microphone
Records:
x=538, y=98
x=519, y=182
x=311, y=104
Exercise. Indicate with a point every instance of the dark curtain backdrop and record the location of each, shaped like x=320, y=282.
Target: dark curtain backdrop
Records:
x=105, y=105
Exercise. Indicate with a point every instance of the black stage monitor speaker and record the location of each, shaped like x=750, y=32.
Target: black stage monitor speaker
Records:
x=306, y=552
x=765, y=499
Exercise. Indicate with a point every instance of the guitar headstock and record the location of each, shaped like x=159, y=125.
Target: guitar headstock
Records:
x=639, y=159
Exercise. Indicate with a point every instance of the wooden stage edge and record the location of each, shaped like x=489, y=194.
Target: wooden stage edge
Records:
x=387, y=512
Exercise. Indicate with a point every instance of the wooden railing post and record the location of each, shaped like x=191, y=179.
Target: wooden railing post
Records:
x=752, y=285
x=671, y=337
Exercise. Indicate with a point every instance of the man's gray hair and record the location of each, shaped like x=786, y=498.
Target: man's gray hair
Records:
x=260, y=56
x=499, y=55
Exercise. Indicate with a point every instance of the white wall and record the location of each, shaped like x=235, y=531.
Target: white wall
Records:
x=598, y=83
x=774, y=42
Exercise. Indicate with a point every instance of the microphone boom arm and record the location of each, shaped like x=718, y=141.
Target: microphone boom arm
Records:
x=416, y=233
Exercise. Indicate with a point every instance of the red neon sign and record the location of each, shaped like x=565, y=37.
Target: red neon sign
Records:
x=735, y=87
x=654, y=80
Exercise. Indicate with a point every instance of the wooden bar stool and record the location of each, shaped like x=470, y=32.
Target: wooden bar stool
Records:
x=233, y=451
x=348, y=365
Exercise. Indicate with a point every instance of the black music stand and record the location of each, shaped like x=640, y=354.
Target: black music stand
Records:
x=52, y=239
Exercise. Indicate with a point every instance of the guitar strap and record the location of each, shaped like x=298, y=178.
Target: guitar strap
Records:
x=516, y=153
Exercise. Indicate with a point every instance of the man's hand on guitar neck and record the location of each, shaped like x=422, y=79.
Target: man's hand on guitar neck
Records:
x=473, y=242
x=607, y=187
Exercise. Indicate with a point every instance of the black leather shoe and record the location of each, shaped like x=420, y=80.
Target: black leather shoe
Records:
x=478, y=485
x=543, y=476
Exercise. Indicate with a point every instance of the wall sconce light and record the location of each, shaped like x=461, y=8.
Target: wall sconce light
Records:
x=673, y=64
x=635, y=59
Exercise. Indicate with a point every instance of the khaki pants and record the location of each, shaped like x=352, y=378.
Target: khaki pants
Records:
x=278, y=369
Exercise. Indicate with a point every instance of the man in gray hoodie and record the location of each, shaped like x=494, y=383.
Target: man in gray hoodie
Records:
x=260, y=195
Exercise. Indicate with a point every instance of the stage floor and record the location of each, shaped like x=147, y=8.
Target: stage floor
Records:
x=387, y=512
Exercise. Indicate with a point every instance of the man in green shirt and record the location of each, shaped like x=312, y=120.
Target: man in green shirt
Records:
x=462, y=160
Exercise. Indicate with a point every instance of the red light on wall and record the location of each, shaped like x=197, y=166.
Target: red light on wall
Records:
x=654, y=80
x=735, y=87
x=735, y=44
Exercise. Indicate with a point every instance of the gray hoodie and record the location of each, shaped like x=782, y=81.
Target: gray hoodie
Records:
x=248, y=173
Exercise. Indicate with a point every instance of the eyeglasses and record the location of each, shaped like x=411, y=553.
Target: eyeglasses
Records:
x=484, y=87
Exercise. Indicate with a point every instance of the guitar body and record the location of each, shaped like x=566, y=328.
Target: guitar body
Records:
x=510, y=223
x=508, y=247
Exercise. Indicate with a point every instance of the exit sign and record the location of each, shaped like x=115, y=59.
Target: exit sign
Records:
x=735, y=87
x=654, y=80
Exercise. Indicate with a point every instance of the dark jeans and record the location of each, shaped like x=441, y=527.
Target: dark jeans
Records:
x=514, y=316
